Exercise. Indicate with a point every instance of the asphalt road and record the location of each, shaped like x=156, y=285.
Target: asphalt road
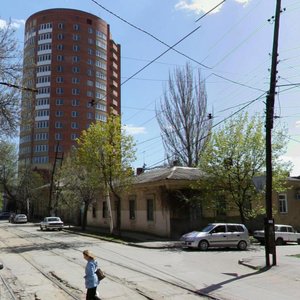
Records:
x=49, y=265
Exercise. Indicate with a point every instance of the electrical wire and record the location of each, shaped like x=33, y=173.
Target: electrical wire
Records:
x=159, y=56
x=150, y=34
x=217, y=124
x=23, y=88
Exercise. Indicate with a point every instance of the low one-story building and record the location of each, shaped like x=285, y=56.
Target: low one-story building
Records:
x=164, y=202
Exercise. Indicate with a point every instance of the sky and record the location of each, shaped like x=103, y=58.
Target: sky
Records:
x=229, y=41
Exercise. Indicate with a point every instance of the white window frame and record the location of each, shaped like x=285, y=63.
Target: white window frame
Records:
x=282, y=203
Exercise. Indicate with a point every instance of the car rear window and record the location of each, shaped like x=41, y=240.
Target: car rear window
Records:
x=235, y=228
x=53, y=219
x=283, y=229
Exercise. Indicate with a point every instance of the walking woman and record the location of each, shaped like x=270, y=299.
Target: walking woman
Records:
x=91, y=279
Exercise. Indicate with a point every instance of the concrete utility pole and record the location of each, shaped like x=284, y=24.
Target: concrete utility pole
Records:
x=270, y=247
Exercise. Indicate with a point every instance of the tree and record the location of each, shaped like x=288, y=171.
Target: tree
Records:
x=77, y=184
x=27, y=192
x=8, y=169
x=19, y=186
x=105, y=145
x=235, y=154
x=183, y=118
x=10, y=74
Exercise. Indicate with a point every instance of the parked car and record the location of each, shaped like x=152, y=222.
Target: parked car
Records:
x=218, y=235
x=19, y=218
x=52, y=223
x=4, y=215
x=283, y=234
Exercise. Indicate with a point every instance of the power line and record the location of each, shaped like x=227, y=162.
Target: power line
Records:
x=217, y=124
x=236, y=82
x=223, y=120
x=150, y=34
x=159, y=56
x=210, y=10
x=23, y=88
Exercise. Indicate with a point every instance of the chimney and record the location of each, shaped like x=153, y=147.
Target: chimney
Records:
x=139, y=171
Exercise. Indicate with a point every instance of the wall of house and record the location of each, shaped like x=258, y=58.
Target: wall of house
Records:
x=159, y=225
x=292, y=214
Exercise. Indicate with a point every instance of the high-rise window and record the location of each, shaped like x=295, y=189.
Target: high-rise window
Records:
x=76, y=48
x=75, y=58
x=76, y=37
x=75, y=80
x=59, y=102
x=59, y=79
x=59, y=69
x=58, y=124
x=58, y=136
x=75, y=91
x=76, y=69
x=76, y=27
x=60, y=36
x=75, y=102
x=59, y=113
x=74, y=125
x=59, y=91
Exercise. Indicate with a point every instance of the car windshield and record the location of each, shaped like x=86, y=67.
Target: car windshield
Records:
x=208, y=228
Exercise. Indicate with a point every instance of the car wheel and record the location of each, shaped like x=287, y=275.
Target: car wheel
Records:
x=298, y=241
x=279, y=241
x=41, y=228
x=242, y=245
x=203, y=245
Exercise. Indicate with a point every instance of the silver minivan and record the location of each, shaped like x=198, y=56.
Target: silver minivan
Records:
x=218, y=235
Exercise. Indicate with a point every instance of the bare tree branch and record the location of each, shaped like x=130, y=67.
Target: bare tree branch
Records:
x=10, y=73
x=183, y=117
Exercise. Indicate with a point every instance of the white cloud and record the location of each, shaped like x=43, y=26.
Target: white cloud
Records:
x=130, y=129
x=297, y=124
x=14, y=23
x=203, y=6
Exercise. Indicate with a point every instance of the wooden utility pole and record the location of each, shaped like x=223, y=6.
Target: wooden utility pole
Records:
x=270, y=247
x=50, y=205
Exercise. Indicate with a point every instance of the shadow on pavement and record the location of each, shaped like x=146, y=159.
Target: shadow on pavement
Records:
x=213, y=287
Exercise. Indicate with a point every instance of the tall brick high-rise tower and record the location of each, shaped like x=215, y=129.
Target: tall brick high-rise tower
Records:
x=74, y=65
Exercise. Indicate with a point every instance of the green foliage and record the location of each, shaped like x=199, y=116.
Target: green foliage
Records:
x=101, y=164
x=107, y=147
x=235, y=154
x=76, y=184
x=27, y=187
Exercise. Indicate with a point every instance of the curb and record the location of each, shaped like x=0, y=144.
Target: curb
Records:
x=247, y=263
